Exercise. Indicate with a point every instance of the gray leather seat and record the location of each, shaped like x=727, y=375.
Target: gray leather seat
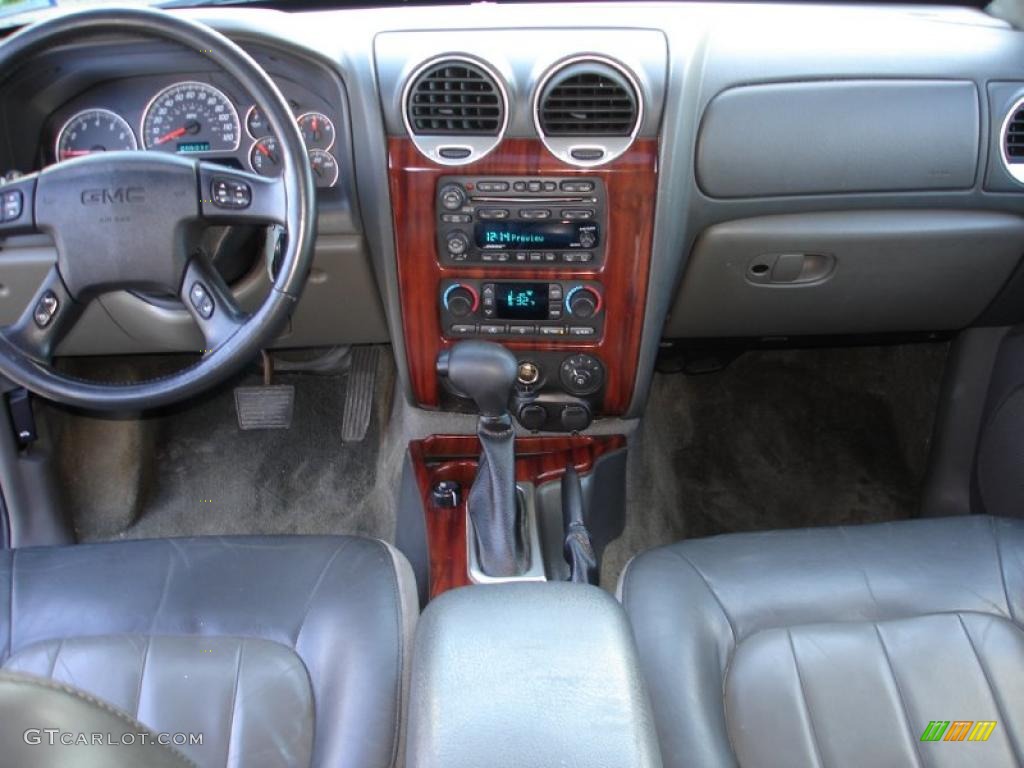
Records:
x=837, y=646
x=280, y=651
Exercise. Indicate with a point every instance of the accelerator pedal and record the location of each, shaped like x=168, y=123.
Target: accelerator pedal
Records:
x=265, y=407
x=362, y=376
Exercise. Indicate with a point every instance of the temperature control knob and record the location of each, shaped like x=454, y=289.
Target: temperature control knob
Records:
x=461, y=300
x=457, y=244
x=581, y=375
x=453, y=197
x=582, y=302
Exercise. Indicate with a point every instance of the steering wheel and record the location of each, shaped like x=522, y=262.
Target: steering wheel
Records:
x=130, y=220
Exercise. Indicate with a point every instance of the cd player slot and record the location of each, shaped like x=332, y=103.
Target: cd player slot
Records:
x=536, y=200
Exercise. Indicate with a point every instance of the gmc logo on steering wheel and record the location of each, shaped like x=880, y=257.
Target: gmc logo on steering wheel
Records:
x=116, y=195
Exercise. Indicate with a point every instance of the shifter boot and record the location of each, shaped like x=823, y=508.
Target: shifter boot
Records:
x=492, y=501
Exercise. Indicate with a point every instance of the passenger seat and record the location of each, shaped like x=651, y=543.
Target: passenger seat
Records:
x=881, y=645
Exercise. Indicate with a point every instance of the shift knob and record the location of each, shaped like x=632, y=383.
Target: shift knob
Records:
x=483, y=371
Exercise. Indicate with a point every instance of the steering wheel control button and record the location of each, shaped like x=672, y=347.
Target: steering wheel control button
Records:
x=46, y=309
x=13, y=202
x=230, y=193
x=201, y=300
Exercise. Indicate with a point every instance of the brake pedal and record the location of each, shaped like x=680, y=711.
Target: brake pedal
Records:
x=269, y=406
x=362, y=375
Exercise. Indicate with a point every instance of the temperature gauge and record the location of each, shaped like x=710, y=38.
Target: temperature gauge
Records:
x=325, y=168
x=317, y=130
x=265, y=157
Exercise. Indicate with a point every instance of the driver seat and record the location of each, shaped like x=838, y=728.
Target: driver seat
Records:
x=280, y=651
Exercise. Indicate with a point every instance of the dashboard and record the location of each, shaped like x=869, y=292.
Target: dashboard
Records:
x=585, y=186
x=190, y=113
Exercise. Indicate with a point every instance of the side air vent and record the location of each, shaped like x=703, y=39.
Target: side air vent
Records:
x=588, y=111
x=455, y=110
x=1013, y=141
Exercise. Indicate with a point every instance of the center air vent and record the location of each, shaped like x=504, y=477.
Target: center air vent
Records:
x=1013, y=141
x=455, y=110
x=588, y=111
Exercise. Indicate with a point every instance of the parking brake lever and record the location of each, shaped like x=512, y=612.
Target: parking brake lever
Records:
x=578, y=549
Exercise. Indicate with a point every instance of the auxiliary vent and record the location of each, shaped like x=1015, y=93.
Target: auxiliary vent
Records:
x=588, y=99
x=1012, y=140
x=1013, y=135
x=588, y=111
x=455, y=98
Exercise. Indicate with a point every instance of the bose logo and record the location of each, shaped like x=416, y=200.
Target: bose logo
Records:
x=116, y=195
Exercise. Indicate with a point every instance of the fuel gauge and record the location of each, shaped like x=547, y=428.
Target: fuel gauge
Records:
x=256, y=123
x=325, y=168
x=265, y=157
x=317, y=130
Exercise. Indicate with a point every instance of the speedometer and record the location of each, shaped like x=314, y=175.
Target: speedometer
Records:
x=191, y=117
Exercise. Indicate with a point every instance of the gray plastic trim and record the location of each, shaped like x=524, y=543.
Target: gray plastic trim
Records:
x=847, y=136
x=890, y=271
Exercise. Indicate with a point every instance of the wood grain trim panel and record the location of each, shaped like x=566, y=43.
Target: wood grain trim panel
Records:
x=631, y=181
x=454, y=457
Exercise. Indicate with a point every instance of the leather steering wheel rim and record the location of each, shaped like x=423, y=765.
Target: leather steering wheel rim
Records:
x=293, y=192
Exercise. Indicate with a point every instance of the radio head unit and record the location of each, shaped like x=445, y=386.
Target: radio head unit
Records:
x=520, y=221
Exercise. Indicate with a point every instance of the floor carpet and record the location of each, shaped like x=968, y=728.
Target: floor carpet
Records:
x=781, y=439
x=192, y=471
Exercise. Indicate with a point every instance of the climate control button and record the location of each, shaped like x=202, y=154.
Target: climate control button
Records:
x=461, y=300
x=582, y=301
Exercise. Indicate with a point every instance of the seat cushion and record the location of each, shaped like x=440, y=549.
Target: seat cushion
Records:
x=279, y=650
x=835, y=646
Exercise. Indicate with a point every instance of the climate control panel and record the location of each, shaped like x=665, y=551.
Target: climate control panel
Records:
x=570, y=311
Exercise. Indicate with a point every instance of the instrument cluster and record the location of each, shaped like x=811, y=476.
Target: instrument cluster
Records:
x=193, y=117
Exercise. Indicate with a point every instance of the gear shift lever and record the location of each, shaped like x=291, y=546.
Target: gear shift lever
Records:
x=486, y=373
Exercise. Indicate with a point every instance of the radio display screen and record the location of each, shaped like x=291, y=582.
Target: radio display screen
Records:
x=528, y=235
x=521, y=301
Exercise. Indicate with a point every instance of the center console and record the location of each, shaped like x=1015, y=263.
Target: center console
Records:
x=528, y=674
x=549, y=259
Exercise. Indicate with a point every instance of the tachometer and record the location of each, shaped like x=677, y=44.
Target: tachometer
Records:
x=191, y=117
x=94, y=130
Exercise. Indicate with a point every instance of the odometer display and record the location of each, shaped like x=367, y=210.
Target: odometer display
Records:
x=191, y=115
x=94, y=130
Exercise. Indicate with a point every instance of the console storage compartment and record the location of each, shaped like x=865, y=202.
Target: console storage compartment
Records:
x=521, y=674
